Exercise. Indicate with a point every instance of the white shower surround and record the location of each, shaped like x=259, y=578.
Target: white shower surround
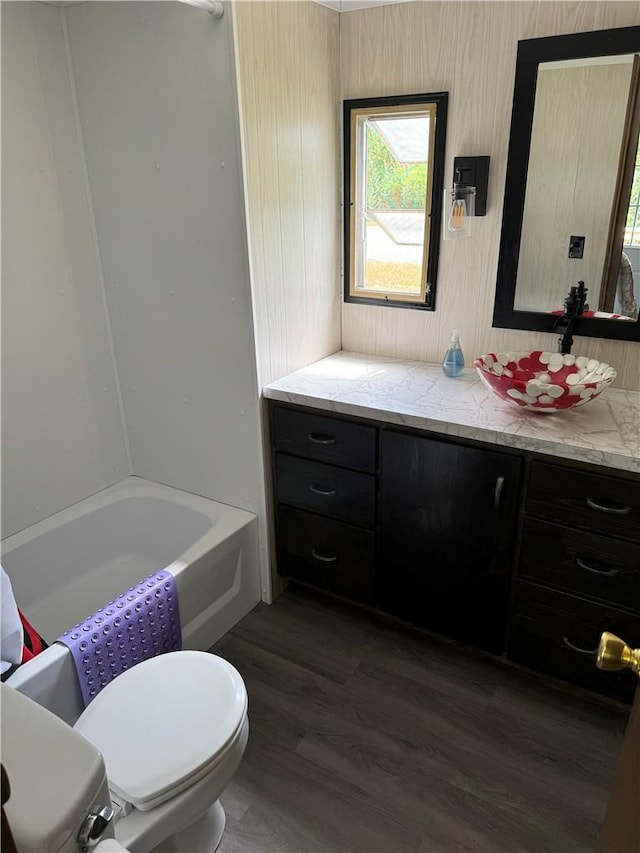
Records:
x=122, y=322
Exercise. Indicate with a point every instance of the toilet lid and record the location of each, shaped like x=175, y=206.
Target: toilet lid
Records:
x=162, y=724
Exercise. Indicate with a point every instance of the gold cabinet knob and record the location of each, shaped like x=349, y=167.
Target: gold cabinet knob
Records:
x=614, y=653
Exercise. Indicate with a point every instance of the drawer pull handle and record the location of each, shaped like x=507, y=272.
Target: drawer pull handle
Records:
x=497, y=495
x=609, y=573
x=613, y=510
x=566, y=642
x=315, y=438
x=322, y=557
x=319, y=490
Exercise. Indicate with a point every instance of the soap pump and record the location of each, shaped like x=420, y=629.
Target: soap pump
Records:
x=453, y=361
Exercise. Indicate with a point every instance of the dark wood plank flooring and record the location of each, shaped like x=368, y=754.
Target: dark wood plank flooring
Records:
x=365, y=736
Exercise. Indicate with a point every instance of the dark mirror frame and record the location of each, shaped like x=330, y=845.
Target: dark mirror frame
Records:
x=531, y=53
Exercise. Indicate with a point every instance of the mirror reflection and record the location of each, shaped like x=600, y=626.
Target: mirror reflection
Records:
x=580, y=218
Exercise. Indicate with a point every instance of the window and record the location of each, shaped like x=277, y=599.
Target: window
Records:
x=393, y=164
x=632, y=225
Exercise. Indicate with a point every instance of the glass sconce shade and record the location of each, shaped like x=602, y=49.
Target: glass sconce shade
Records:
x=459, y=209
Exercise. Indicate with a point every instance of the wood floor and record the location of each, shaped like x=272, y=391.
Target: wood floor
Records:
x=366, y=737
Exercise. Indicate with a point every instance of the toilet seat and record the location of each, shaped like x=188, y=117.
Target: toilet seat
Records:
x=166, y=723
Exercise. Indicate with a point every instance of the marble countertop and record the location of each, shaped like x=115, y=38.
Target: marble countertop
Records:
x=604, y=432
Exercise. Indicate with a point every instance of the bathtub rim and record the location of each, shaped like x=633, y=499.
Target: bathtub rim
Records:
x=229, y=517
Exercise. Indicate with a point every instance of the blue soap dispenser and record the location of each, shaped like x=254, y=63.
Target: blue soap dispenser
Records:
x=453, y=361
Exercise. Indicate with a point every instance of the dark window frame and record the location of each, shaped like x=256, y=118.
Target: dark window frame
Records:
x=441, y=100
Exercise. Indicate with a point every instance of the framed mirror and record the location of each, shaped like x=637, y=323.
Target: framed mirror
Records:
x=571, y=210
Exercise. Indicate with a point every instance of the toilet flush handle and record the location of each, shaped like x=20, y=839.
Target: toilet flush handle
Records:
x=93, y=826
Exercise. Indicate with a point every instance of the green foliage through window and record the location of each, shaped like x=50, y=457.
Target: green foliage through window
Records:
x=392, y=185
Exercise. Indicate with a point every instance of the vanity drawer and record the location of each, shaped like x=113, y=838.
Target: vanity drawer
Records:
x=558, y=633
x=604, y=504
x=324, y=439
x=326, y=489
x=329, y=554
x=581, y=562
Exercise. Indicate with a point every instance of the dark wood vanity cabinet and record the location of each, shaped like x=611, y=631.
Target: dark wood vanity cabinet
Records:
x=507, y=551
x=447, y=530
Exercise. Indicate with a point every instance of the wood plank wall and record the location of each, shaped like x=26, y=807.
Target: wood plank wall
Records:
x=287, y=61
x=469, y=50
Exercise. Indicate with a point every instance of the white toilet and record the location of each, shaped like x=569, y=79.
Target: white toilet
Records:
x=172, y=731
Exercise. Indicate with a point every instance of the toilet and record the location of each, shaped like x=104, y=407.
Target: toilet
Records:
x=171, y=732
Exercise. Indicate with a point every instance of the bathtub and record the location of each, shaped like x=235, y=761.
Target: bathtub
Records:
x=65, y=567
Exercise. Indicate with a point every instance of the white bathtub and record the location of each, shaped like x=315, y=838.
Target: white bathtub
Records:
x=65, y=567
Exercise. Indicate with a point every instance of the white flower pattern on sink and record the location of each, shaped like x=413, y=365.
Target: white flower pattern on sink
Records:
x=544, y=381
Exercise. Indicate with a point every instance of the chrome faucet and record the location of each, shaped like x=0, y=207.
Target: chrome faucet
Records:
x=574, y=306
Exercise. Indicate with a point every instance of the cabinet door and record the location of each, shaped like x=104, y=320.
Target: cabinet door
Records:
x=447, y=521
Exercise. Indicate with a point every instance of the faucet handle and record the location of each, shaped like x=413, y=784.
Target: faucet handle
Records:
x=581, y=295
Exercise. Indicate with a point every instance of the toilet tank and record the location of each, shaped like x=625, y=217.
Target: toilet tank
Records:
x=57, y=777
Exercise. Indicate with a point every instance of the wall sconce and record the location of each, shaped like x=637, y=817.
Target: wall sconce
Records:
x=467, y=197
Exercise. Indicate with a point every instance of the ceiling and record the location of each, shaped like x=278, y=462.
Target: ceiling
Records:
x=349, y=5
x=338, y=5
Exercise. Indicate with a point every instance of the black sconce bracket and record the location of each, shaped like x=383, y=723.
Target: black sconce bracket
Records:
x=474, y=171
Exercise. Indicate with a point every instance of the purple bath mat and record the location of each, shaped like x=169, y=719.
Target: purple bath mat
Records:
x=139, y=624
